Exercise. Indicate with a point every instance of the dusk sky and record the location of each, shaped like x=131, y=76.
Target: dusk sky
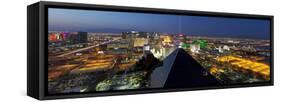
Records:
x=106, y=21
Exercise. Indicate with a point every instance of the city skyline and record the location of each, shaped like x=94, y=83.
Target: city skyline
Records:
x=94, y=51
x=116, y=22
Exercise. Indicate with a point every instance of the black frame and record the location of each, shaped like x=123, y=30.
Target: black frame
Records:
x=37, y=49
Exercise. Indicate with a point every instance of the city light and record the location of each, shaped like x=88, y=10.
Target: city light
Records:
x=242, y=64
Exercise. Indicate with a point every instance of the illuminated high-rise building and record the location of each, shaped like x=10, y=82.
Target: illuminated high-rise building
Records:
x=195, y=48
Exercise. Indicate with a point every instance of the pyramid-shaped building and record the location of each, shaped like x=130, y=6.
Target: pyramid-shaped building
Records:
x=180, y=70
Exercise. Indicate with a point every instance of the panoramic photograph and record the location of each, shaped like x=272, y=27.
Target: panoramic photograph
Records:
x=99, y=51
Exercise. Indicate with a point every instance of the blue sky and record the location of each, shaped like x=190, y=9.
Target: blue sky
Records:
x=106, y=21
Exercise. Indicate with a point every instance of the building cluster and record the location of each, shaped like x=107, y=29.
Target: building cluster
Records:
x=80, y=54
x=60, y=42
x=66, y=37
